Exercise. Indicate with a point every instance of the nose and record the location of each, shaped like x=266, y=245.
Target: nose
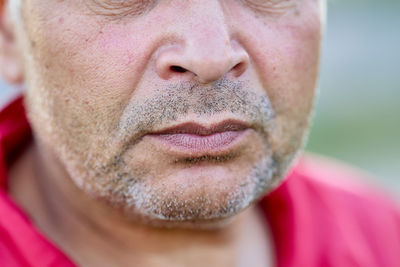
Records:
x=206, y=52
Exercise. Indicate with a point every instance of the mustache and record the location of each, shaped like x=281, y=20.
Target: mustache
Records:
x=165, y=106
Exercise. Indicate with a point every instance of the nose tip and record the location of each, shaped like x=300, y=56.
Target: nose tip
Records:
x=212, y=67
x=204, y=62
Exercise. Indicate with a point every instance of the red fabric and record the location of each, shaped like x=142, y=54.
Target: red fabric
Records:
x=21, y=244
x=318, y=218
x=321, y=217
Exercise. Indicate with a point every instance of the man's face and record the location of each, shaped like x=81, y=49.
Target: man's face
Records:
x=172, y=110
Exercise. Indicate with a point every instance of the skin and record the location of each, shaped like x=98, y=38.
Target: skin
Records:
x=102, y=74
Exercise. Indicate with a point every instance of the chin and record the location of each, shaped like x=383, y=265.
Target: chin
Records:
x=155, y=187
x=205, y=196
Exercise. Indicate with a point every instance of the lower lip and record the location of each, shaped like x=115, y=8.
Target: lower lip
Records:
x=198, y=143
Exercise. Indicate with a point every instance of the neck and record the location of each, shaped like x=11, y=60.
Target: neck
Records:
x=93, y=234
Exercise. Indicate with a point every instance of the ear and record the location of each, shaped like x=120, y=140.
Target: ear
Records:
x=10, y=60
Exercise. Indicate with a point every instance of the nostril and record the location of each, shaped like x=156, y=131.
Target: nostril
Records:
x=239, y=68
x=178, y=69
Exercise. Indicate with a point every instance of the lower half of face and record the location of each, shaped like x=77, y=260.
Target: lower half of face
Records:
x=185, y=154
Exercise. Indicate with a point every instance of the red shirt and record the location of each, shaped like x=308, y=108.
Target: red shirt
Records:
x=318, y=216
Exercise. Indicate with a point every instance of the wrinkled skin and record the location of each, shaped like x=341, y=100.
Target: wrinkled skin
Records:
x=102, y=74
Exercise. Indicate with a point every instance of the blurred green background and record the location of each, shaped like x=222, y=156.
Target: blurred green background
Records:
x=358, y=109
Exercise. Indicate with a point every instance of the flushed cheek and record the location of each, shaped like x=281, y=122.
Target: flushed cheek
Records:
x=88, y=73
x=301, y=57
x=292, y=81
x=292, y=68
x=285, y=53
x=114, y=61
x=123, y=46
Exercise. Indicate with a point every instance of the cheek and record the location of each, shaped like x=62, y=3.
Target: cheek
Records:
x=287, y=58
x=285, y=55
x=88, y=73
x=114, y=42
x=293, y=78
x=292, y=82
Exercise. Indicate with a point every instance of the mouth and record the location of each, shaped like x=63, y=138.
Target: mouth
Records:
x=195, y=140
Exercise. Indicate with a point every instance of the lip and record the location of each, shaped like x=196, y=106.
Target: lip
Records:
x=194, y=139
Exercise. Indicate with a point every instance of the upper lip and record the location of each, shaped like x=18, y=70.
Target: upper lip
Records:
x=198, y=129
